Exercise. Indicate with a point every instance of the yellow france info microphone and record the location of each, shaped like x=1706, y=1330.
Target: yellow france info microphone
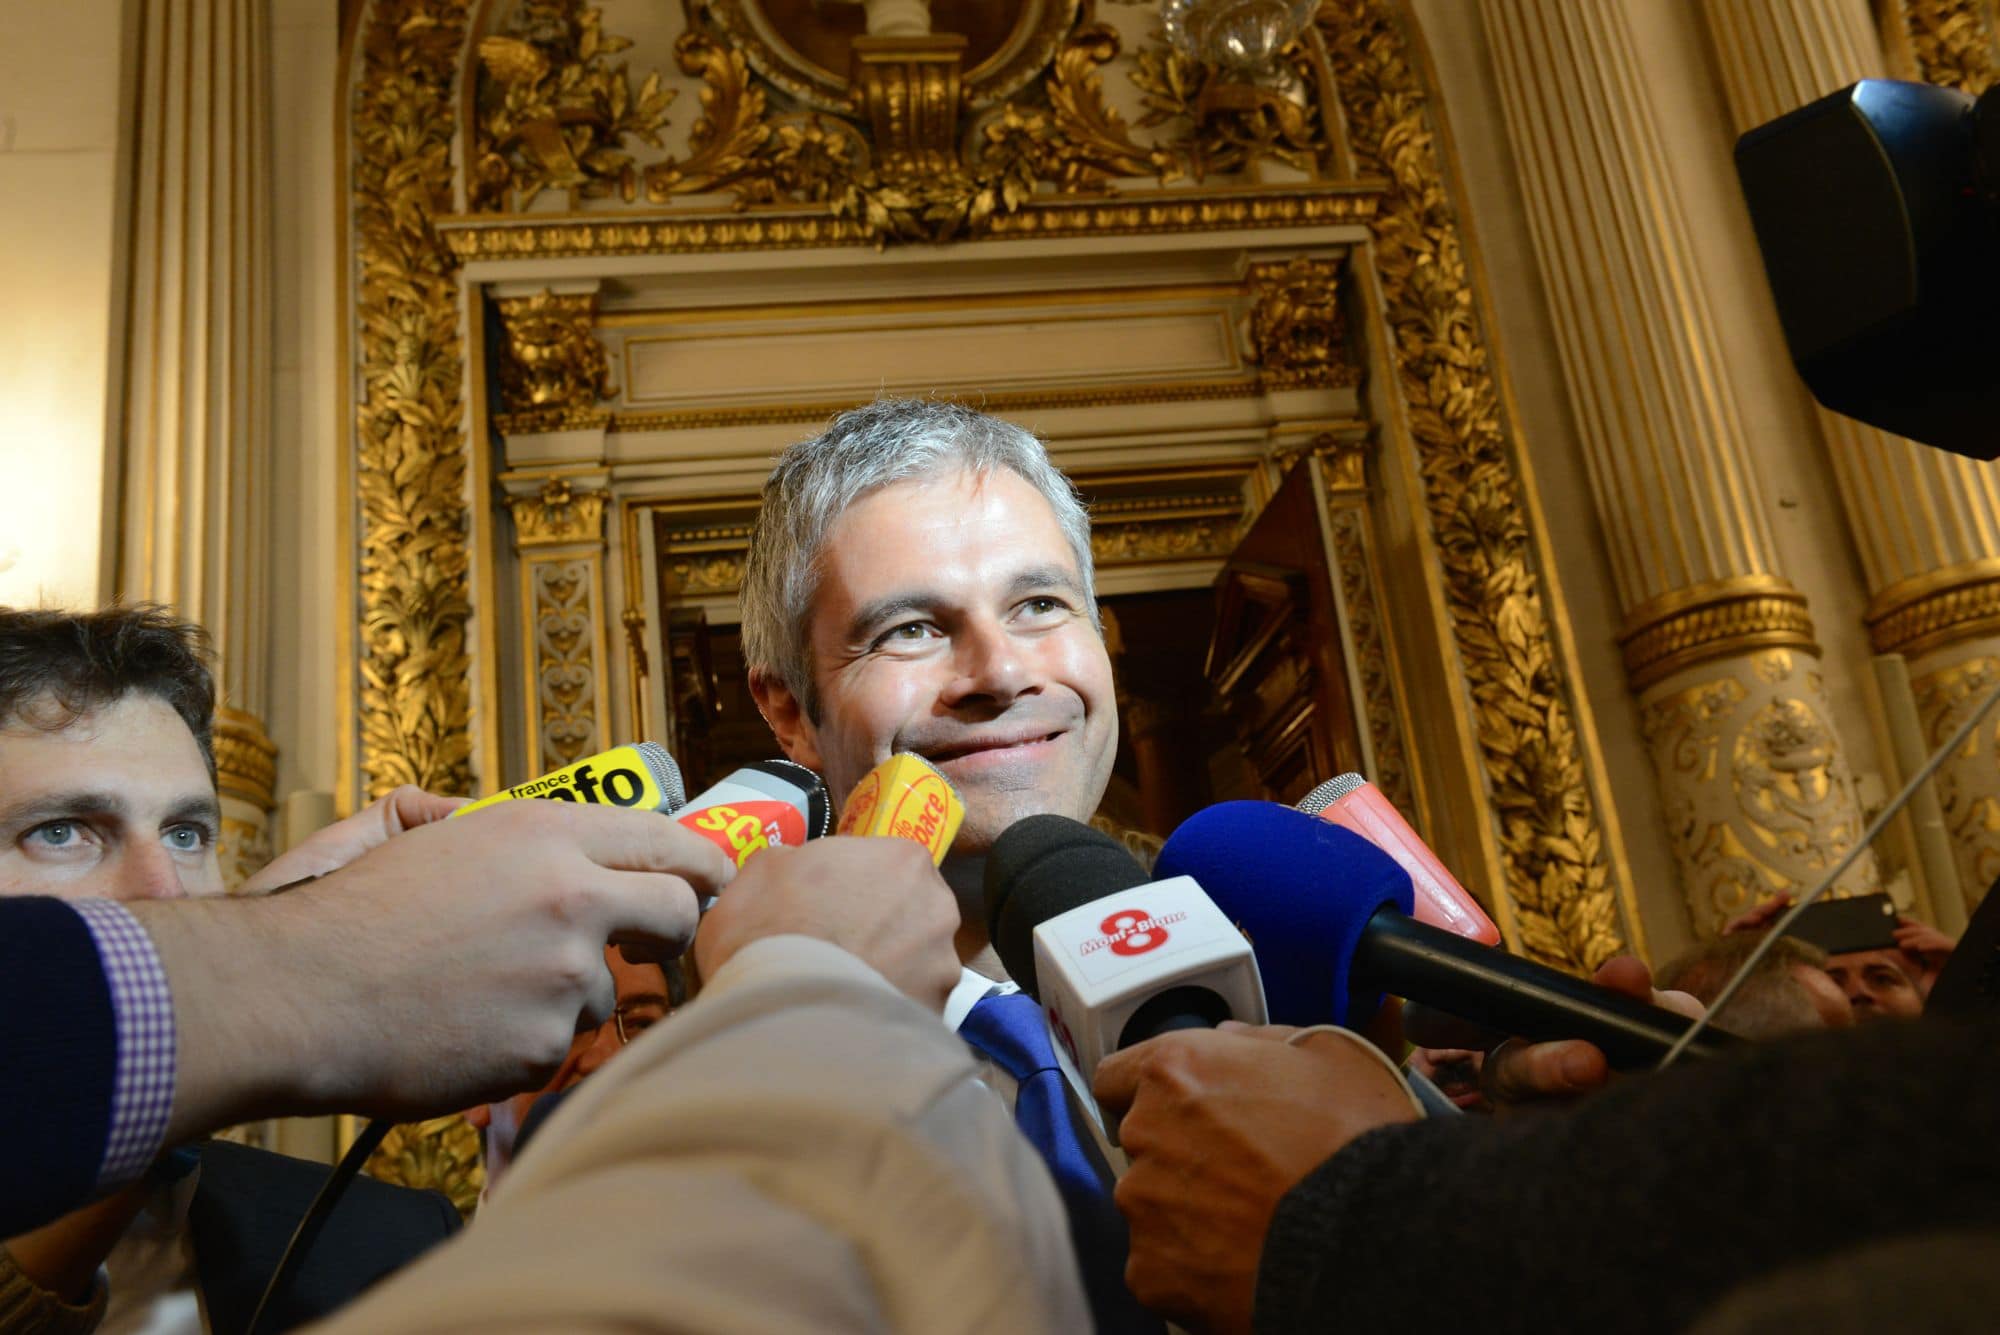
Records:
x=905, y=797
x=640, y=775
x=766, y=803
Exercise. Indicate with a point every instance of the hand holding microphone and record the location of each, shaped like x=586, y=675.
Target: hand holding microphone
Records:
x=1219, y=1126
x=880, y=899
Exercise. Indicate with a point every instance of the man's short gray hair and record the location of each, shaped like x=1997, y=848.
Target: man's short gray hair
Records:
x=815, y=481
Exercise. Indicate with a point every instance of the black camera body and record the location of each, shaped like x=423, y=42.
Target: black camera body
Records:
x=1875, y=210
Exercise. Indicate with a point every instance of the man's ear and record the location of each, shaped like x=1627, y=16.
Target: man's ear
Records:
x=787, y=717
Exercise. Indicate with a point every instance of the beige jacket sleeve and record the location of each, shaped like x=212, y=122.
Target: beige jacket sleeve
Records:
x=802, y=1149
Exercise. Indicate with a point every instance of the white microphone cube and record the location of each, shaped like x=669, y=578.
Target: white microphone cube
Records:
x=1096, y=965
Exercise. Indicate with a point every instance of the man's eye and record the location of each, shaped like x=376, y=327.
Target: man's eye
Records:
x=57, y=834
x=187, y=838
x=1042, y=606
x=910, y=632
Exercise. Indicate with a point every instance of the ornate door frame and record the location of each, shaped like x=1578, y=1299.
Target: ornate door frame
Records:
x=1519, y=798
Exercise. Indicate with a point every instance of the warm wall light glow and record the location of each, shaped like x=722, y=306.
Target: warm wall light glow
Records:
x=59, y=104
x=51, y=458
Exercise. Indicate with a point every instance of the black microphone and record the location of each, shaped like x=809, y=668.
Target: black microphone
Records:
x=1113, y=956
x=1329, y=914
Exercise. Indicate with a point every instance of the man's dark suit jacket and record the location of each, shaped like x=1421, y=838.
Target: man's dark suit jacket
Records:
x=248, y=1202
x=58, y=1051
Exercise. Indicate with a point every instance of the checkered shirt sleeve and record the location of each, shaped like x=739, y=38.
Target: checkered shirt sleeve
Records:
x=142, y=1008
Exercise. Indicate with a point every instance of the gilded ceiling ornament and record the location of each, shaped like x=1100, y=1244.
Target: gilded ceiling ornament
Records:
x=554, y=112
x=415, y=692
x=879, y=148
x=1238, y=123
x=554, y=370
x=1298, y=335
x=1549, y=830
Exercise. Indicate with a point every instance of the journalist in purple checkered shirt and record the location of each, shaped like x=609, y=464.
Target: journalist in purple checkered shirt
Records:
x=477, y=943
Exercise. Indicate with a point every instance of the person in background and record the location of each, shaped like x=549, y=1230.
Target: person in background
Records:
x=1790, y=991
x=1888, y=984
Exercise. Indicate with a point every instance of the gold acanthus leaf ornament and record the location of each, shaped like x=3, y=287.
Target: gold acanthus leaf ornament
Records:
x=414, y=588
x=1952, y=41
x=554, y=112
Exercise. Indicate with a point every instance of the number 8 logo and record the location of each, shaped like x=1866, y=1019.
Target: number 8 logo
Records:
x=1119, y=927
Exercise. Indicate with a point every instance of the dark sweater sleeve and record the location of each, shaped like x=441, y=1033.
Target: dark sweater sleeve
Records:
x=58, y=1051
x=1638, y=1209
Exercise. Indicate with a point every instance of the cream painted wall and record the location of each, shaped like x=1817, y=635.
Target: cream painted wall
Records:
x=305, y=425
x=60, y=84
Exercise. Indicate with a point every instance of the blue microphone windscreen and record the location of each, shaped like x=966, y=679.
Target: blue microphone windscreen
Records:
x=1301, y=889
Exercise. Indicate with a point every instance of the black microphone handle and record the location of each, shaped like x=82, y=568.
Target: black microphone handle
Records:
x=1406, y=958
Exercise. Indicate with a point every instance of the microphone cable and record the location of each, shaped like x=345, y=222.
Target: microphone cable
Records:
x=1875, y=827
x=314, y=1218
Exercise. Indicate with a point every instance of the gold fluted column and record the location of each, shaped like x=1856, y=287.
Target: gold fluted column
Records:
x=1719, y=648
x=195, y=463
x=1926, y=522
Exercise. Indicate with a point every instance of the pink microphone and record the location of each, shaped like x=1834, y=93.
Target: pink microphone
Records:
x=1350, y=801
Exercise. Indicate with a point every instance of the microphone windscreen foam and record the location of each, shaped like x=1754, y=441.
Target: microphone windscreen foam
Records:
x=1301, y=889
x=1041, y=867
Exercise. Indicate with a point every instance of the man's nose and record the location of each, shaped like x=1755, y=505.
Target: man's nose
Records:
x=990, y=663
x=146, y=870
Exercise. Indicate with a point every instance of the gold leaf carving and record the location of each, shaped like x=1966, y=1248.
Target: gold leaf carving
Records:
x=1356, y=571
x=1549, y=831
x=554, y=368
x=1757, y=796
x=416, y=698
x=1274, y=206
x=1721, y=619
x=1236, y=124
x=564, y=675
x=554, y=112
x=1297, y=332
x=1935, y=609
x=1968, y=785
x=1953, y=42
x=442, y=1154
x=558, y=513
x=691, y=577
x=1165, y=540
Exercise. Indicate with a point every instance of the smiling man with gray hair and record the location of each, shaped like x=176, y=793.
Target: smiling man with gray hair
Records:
x=920, y=580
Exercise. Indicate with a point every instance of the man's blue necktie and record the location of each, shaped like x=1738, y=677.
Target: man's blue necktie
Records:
x=1011, y=1031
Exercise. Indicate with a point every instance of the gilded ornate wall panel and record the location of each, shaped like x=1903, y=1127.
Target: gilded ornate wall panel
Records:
x=581, y=151
x=413, y=719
